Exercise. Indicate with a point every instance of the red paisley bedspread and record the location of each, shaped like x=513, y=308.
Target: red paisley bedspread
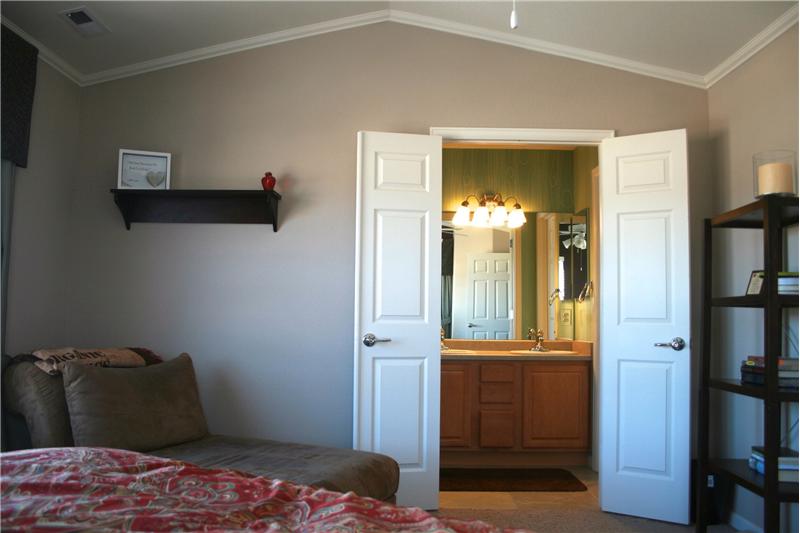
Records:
x=68, y=489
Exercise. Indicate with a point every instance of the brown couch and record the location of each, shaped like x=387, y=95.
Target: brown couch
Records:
x=36, y=414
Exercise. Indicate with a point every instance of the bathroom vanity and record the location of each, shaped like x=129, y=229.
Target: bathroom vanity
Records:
x=503, y=405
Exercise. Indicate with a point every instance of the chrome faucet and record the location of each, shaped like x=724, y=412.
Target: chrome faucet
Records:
x=539, y=344
x=442, y=345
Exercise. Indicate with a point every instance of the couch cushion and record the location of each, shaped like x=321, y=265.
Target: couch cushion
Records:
x=138, y=409
x=39, y=398
x=342, y=470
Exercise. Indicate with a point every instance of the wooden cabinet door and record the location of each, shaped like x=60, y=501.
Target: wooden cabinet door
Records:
x=555, y=405
x=497, y=428
x=456, y=405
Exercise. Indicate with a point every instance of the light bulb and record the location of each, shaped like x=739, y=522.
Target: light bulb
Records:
x=499, y=215
x=461, y=218
x=516, y=218
x=481, y=218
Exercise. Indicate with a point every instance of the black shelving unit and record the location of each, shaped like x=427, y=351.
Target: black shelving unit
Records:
x=770, y=214
x=198, y=206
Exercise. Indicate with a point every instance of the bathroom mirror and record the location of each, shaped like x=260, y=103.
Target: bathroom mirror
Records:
x=573, y=251
x=499, y=283
x=489, y=281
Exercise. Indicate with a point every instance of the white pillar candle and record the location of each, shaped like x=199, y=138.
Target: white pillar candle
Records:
x=775, y=178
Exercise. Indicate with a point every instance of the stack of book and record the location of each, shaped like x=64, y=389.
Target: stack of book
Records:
x=787, y=463
x=787, y=283
x=753, y=371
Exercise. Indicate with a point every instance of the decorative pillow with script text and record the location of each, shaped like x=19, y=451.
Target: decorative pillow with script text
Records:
x=53, y=360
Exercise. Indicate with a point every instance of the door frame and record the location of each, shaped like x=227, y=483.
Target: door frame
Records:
x=548, y=136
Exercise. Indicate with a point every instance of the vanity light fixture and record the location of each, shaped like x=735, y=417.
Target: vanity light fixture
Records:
x=491, y=212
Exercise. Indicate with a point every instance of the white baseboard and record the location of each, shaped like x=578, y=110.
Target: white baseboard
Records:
x=740, y=523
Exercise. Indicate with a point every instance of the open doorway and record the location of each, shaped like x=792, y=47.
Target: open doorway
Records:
x=645, y=279
x=487, y=419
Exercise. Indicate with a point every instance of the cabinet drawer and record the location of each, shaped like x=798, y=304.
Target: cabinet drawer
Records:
x=497, y=393
x=497, y=429
x=497, y=372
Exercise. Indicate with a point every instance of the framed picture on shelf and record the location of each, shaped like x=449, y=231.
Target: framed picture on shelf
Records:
x=756, y=282
x=143, y=170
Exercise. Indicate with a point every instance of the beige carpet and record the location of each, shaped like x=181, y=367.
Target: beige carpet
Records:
x=552, y=512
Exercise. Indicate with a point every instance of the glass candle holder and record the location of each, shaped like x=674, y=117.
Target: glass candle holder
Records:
x=775, y=172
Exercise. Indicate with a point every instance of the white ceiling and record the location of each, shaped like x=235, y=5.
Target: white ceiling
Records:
x=689, y=42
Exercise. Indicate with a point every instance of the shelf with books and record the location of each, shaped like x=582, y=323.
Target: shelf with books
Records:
x=771, y=214
x=741, y=473
x=753, y=300
x=754, y=372
x=754, y=391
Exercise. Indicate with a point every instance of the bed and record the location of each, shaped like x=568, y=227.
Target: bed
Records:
x=68, y=489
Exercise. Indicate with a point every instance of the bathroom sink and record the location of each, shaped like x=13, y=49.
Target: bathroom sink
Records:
x=454, y=351
x=548, y=352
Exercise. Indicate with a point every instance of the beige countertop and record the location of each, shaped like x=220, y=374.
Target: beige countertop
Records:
x=515, y=355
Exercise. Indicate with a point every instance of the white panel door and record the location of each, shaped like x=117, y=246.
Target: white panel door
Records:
x=645, y=448
x=398, y=278
x=489, y=296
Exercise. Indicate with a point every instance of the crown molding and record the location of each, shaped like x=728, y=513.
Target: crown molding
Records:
x=753, y=46
x=241, y=45
x=45, y=54
x=770, y=33
x=546, y=47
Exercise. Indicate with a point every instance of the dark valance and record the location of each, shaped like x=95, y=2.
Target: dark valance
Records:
x=18, y=84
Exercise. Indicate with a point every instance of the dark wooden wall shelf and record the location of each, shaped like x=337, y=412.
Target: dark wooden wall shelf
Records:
x=198, y=206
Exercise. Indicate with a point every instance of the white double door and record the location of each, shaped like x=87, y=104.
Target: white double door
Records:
x=644, y=390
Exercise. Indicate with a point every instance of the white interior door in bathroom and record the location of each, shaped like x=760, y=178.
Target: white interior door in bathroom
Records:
x=489, y=309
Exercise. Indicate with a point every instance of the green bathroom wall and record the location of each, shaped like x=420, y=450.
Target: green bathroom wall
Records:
x=541, y=180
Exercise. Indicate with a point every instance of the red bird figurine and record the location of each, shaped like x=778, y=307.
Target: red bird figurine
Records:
x=268, y=181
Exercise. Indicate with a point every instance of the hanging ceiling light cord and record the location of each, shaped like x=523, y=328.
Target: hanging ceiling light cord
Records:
x=513, y=20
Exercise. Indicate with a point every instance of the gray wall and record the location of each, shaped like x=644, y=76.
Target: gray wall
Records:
x=40, y=249
x=268, y=317
x=752, y=109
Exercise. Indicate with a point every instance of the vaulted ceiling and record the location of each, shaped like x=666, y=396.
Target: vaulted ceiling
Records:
x=695, y=43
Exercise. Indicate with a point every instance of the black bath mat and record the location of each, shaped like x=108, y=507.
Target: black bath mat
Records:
x=509, y=480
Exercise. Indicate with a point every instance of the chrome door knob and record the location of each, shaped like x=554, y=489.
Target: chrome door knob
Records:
x=676, y=344
x=370, y=339
x=471, y=325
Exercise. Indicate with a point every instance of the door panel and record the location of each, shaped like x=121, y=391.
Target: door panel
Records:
x=400, y=245
x=398, y=264
x=644, y=391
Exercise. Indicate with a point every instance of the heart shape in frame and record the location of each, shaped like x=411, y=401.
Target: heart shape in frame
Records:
x=155, y=178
